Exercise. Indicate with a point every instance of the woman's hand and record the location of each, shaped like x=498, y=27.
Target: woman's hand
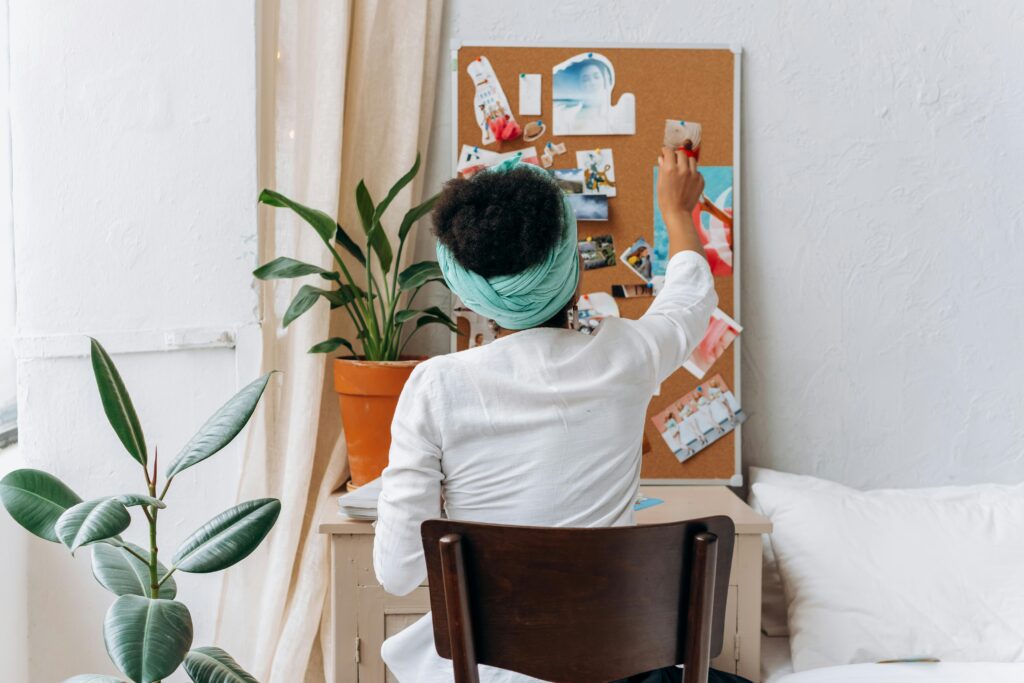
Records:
x=679, y=183
x=679, y=188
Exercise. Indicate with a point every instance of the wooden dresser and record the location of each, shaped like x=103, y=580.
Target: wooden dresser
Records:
x=362, y=615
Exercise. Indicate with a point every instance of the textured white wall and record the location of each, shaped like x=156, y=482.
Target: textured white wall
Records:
x=883, y=153
x=133, y=134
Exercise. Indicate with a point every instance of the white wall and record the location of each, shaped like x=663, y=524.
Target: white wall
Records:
x=134, y=165
x=883, y=153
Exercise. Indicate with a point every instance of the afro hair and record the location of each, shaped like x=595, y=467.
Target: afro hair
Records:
x=499, y=223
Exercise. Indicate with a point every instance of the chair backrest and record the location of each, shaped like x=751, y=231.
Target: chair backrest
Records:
x=579, y=604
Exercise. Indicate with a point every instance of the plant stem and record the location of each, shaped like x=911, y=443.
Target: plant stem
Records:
x=132, y=552
x=154, y=585
x=167, y=576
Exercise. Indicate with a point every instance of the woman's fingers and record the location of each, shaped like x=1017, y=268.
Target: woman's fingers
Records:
x=693, y=164
x=668, y=156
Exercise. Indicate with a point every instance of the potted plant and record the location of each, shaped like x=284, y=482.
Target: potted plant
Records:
x=147, y=632
x=368, y=382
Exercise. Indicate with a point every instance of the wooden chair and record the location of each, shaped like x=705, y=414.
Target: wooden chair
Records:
x=579, y=604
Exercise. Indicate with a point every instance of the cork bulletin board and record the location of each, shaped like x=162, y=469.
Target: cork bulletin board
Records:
x=699, y=83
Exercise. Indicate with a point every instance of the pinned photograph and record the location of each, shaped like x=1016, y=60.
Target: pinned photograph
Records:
x=713, y=217
x=582, y=90
x=637, y=258
x=598, y=171
x=722, y=331
x=569, y=179
x=597, y=252
x=681, y=134
x=631, y=291
x=589, y=207
x=699, y=418
x=473, y=159
x=551, y=150
x=474, y=329
x=493, y=113
x=592, y=308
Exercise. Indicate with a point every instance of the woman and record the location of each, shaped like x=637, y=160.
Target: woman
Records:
x=544, y=425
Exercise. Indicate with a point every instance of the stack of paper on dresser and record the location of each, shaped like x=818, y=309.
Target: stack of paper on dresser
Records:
x=361, y=503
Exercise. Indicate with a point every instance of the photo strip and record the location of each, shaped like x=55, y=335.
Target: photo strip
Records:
x=699, y=418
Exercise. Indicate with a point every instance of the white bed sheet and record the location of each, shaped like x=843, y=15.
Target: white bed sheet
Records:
x=777, y=667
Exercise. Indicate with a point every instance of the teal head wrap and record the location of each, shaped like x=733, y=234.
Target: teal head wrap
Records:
x=527, y=298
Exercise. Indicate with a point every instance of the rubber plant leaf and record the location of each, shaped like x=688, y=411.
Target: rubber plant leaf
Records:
x=122, y=573
x=36, y=500
x=117, y=404
x=91, y=521
x=223, y=426
x=147, y=639
x=214, y=665
x=227, y=538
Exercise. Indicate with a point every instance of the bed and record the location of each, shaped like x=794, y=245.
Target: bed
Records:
x=854, y=578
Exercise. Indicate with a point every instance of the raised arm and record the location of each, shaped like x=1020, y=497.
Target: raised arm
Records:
x=677, y=320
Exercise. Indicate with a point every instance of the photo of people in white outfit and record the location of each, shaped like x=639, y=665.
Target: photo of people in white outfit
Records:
x=699, y=418
x=582, y=90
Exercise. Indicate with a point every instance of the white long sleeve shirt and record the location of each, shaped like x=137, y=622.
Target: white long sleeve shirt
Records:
x=543, y=427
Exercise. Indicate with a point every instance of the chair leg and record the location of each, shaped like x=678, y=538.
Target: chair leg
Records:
x=456, y=602
x=697, y=648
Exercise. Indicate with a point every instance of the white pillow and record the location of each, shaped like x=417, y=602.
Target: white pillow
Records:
x=895, y=574
x=773, y=600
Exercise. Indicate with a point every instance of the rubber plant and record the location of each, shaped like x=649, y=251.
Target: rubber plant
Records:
x=371, y=297
x=147, y=631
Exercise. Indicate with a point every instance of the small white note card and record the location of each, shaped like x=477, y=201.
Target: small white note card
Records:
x=529, y=94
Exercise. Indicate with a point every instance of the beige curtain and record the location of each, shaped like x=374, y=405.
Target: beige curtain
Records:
x=347, y=93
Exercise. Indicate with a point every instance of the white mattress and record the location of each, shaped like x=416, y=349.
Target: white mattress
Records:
x=776, y=667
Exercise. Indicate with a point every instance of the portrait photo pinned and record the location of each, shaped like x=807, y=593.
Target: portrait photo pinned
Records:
x=637, y=258
x=632, y=291
x=490, y=106
x=597, y=252
x=684, y=135
x=589, y=207
x=713, y=217
x=598, y=171
x=582, y=89
x=592, y=308
x=722, y=331
x=699, y=418
x=474, y=329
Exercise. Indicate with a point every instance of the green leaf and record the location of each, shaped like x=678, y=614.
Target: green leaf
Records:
x=430, y=320
x=414, y=214
x=342, y=238
x=214, y=665
x=303, y=301
x=342, y=296
x=381, y=245
x=331, y=345
x=36, y=500
x=122, y=573
x=131, y=499
x=227, y=538
x=406, y=314
x=284, y=268
x=91, y=521
x=419, y=274
x=93, y=678
x=364, y=203
x=223, y=426
x=395, y=189
x=147, y=639
x=117, y=404
x=321, y=222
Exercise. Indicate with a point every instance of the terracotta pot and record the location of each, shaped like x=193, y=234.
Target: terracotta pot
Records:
x=368, y=393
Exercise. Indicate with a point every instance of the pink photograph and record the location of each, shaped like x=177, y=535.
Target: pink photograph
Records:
x=722, y=330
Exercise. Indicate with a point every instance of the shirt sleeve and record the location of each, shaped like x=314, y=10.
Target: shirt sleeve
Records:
x=678, y=318
x=411, y=491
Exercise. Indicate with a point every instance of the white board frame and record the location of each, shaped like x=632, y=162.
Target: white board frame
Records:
x=737, y=214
